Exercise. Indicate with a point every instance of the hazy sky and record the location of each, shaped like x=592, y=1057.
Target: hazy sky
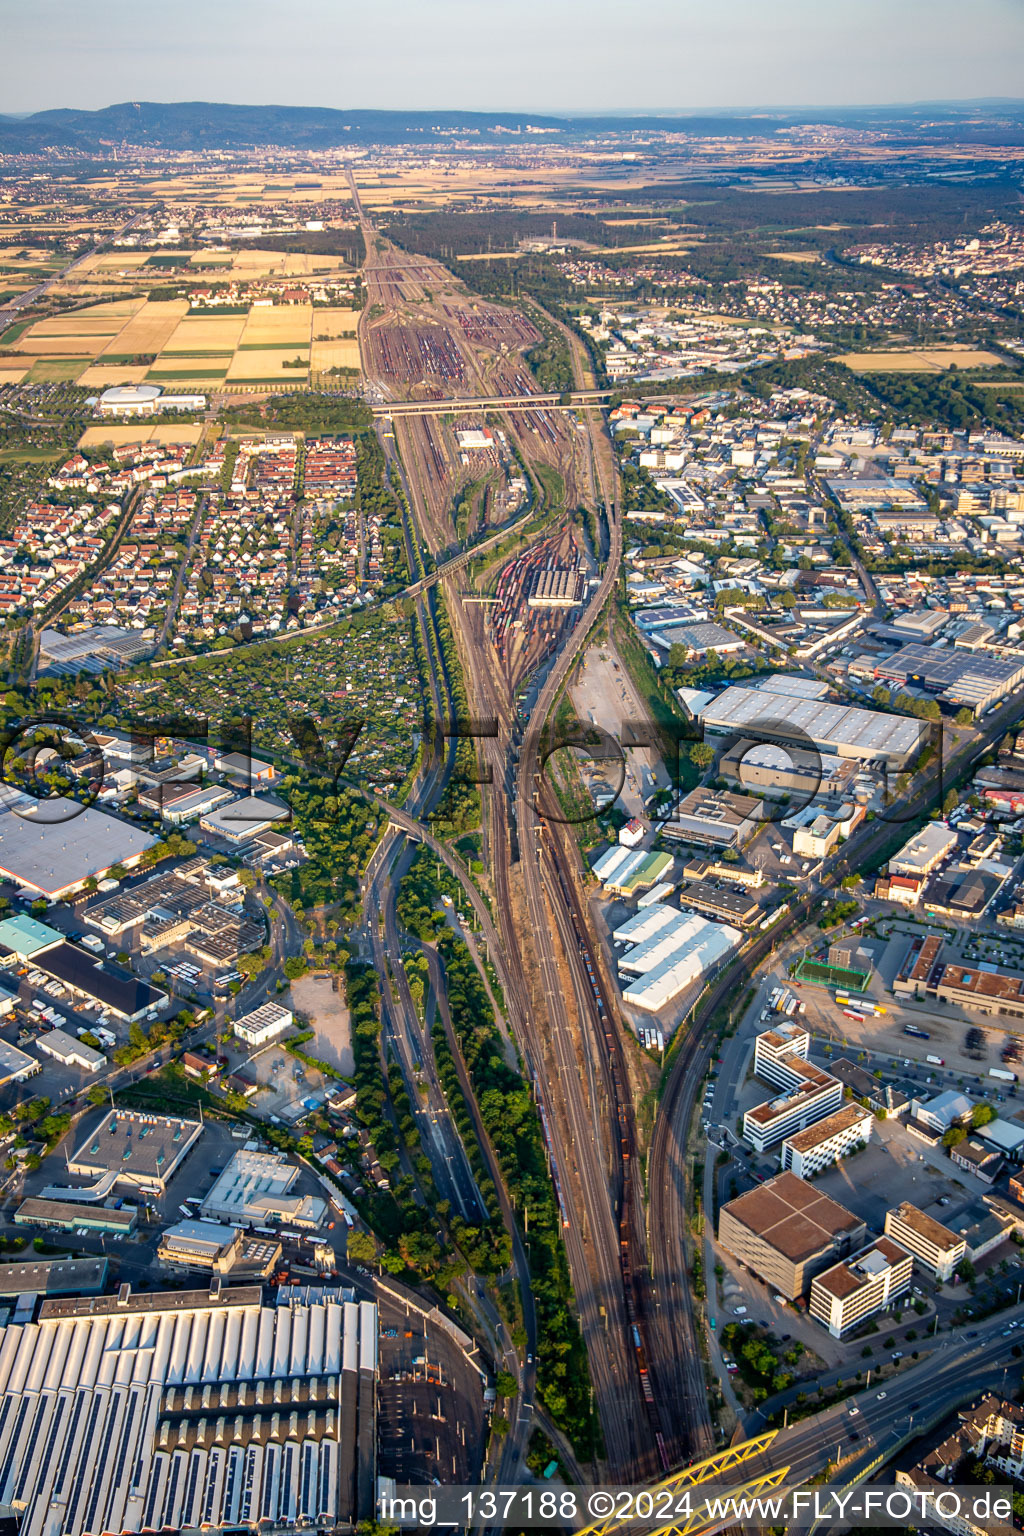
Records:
x=539, y=55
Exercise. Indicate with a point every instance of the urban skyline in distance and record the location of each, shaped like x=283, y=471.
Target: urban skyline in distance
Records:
x=511, y=769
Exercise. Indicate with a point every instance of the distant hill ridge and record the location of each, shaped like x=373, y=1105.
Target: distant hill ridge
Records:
x=217, y=125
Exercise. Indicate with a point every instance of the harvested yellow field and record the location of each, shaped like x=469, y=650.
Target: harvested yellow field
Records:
x=808, y=256
x=100, y=377
x=115, y=309
x=119, y=434
x=334, y=354
x=68, y=346
x=206, y=333
x=260, y=365
x=330, y=324
x=9, y=375
x=278, y=325
x=83, y=323
x=926, y=360
x=148, y=331
x=114, y=261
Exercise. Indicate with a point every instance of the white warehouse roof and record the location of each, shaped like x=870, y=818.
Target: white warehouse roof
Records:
x=676, y=949
x=849, y=732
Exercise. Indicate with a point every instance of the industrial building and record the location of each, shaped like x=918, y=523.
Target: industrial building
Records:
x=934, y=1245
x=54, y=1277
x=820, y=1145
x=263, y=1024
x=714, y=818
x=53, y=846
x=69, y=1215
x=698, y=639
x=255, y=1187
x=786, y=1232
x=926, y=849
x=855, y=1289
x=762, y=768
x=191, y=1409
x=956, y=676
x=624, y=871
x=242, y=819
x=140, y=1151
x=85, y=977
x=145, y=400
x=225, y=1251
x=16, y=1066
x=562, y=587
x=99, y=648
x=25, y=938
x=670, y=950
x=771, y=714
x=70, y=1051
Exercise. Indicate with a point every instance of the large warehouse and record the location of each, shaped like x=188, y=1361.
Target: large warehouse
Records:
x=134, y=1149
x=669, y=951
x=256, y=1187
x=190, y=1409
x=767, y=715
x=53, y=846
x=958, y=677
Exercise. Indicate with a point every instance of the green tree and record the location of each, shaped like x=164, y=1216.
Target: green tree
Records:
x=361, y=1248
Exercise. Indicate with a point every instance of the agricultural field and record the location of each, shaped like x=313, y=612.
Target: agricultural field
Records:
x=162, y=341
x=119, y=434
x=924, y=360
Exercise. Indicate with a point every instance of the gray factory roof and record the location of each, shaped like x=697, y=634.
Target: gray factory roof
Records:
x=827, y=725
x=134, y=1143
x=51, y=855
x=42, y=1276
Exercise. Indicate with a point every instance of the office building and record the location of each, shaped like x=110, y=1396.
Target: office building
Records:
x=772, y=1049
x=191, y=1410
x=856, y=1288
x=256, y=1187
x=135, y=1150
x=714, y=818
x=937, y=1248
x=786, y=1233
x=813, y=1096
x=807, y=1152
x=225, y=1251
x=263, y=1024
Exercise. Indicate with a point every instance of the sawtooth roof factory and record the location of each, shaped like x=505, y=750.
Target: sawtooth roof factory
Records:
x=769, y=713
x=188, y=1410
